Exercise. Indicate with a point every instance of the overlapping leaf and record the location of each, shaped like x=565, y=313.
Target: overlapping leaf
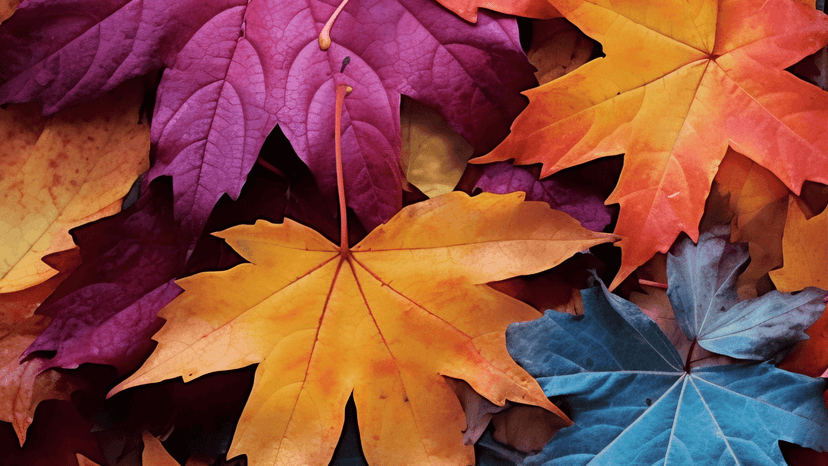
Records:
x=433, y=155
x=564, y=194
x=680, y=82
x=385, y=320
x=236, y=68
x=805, y=251
x=63, y=171
x=467, y=9
x=106, y=311
x=758, y=202
x=633, y=399
x=702, y=280
x=24, y=385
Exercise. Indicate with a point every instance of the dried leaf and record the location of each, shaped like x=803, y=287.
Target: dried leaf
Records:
x=62, y=171
x=558, y=47
x=24, y=386
x=759, y=202
x=805, y=250
x=154, y=453
x=386, y=321
x=467, y=9
x=433, y=155
x=680, y=82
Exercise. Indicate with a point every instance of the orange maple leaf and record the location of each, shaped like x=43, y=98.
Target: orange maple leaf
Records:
x=467, y=9
x=758, y=202
x=386, y=320
x=62, y=171
x=24, y=385
x=804, y=251
x=680, y=81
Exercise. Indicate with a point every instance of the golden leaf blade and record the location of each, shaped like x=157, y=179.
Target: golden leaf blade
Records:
x=62, y=171
x=384, y=321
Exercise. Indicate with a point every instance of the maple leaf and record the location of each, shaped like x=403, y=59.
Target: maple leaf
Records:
x=558, y=47
x=702, y=289
x=634, y=401
x=63, y=171
x=680, y=81
x=566, y=194
x=154, y=453
x=804, y=250
x=810, y=357
x=7, y=8
x=236, y=68
x=467, y=9
x=433, y=155
x=384, y=319
x=24, y=385
x=758, y=202
x=105, y=311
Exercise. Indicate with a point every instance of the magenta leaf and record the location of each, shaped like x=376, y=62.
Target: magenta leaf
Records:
x=562, y=192
x=234, y=69
x=106, y=311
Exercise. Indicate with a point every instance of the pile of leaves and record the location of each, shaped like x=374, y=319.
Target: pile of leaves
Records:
x=389, y=232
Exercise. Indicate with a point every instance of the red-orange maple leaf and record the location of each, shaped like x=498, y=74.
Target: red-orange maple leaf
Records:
x=680, y=82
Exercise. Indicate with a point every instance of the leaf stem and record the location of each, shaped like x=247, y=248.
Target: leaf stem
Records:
x=689, y=361
x=325, y=35
x=341, y=91
x=663, y=286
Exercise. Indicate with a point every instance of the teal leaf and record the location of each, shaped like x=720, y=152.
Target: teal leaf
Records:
x=702, y=279
x=633, y=403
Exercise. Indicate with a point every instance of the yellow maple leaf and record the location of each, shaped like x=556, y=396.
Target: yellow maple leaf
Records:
x=384, y=320
x=63, y=171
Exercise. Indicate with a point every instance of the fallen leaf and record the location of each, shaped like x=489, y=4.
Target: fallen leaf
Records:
x=105, y=312
x=63, y=171
x=7, y=8
x=492, y=453
x=234, y=69
x=702, y=289
x=433, y=155
x=810, y=357
x=633, y=402
x=656, y=305
x=478, y=410
x=154, y=453
x=24, y=385
x=467, y=9
x=558, y=47
x=384, y=320
x=561, y=193
x=680, y=82
x=804, y=249
x=526, y=428
x=759, y=202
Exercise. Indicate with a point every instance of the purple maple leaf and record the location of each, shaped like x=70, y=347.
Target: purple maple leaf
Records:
x=106, y=310
x=562, y=192
x=236, y=68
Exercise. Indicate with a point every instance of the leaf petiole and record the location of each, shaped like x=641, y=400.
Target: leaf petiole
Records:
x=689, y=359
x=341, y=91
x=325, y=34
